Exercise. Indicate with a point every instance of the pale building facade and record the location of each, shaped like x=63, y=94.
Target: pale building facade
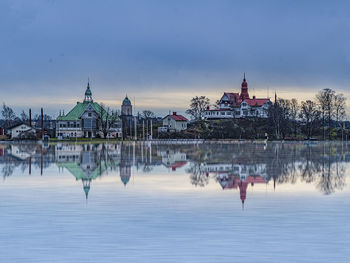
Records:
x=174, y=122
x=21, y=131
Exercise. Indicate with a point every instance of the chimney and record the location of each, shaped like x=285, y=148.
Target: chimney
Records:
x=253, y=97
x=174, y=113
x=30, y=117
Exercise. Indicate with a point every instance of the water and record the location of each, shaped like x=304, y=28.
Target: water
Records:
x=240, y=202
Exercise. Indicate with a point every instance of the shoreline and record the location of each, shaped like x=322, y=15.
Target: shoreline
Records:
x=169, y=141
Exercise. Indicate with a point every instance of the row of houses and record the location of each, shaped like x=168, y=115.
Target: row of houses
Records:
x=89, y=119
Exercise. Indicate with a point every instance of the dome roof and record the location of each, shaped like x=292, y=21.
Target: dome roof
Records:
x=126, y=101
x=88, y=91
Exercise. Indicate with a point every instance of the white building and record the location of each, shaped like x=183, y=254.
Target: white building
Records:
x=174, y=122
x=21, y=131
x=235, y=105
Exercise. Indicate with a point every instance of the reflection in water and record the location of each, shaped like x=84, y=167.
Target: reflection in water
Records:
x=234, y=166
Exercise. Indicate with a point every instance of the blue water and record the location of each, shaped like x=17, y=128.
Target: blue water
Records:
x=145, y=206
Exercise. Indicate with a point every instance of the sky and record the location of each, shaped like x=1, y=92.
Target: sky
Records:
x=161, y=53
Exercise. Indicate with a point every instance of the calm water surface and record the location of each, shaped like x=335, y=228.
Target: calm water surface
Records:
x=243, y=202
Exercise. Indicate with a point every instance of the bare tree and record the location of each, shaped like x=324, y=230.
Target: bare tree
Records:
x=275, y=118
x=198, y=106
x=8, y=115
x=325, y=99
x=24, y=116
x=339, y=107
x=107, y=119
x=310, y=115
x=147, y=114
x=294, y=111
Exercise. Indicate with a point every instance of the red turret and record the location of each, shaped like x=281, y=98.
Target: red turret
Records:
x=244, y=90
x=243, y=191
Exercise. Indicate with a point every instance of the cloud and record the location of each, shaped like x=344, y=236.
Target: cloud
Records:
x=156, y=49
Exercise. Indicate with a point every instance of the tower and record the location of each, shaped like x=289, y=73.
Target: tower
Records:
x=125, y=163
x=126, y=107
x=126, y=117
x=88, y=94
x=244, y=89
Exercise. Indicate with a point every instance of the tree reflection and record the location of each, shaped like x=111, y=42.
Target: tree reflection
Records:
x=197, y=175
x=323, y=164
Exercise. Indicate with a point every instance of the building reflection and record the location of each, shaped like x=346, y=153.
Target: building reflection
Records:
x=236, y=167
x=127, y=157
x=84, y=162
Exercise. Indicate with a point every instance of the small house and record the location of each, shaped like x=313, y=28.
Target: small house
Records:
x=174, y=122
x=21, y=131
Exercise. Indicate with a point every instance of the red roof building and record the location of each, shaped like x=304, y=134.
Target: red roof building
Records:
x=234, y=182
x=235, y=105
x=174, y=123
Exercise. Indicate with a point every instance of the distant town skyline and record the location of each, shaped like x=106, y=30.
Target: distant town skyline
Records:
x=163, y=53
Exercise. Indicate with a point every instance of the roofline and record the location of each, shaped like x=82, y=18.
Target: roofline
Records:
x=174, y=118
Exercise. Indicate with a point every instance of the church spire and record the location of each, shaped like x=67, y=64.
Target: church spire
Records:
x=244, y=89
x=88, y=93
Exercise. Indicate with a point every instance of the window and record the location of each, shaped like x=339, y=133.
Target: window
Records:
x=222, y=113
x=89, y=123
x=89, y=114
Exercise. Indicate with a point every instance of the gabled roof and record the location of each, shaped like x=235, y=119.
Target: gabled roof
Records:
x=256, y=102
x=177, y=117
x=78, y=110
x=233, y=97
x=18, y=124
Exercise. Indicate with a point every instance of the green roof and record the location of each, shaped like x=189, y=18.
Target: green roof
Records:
x=126, y=101
x=78, y=110
x=88, y=92
x=76, y=170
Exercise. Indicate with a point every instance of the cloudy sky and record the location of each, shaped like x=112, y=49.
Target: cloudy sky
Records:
x=162, y=53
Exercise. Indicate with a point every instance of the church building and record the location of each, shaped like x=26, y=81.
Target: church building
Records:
x=235, y=105
x=85, y=120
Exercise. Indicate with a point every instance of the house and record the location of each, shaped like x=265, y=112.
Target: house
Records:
x=173, y=123
x=87, y=119
x=235, y=105
x=21, y=131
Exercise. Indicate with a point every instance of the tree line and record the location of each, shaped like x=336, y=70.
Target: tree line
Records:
x=10, y=118
x=323, y=117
